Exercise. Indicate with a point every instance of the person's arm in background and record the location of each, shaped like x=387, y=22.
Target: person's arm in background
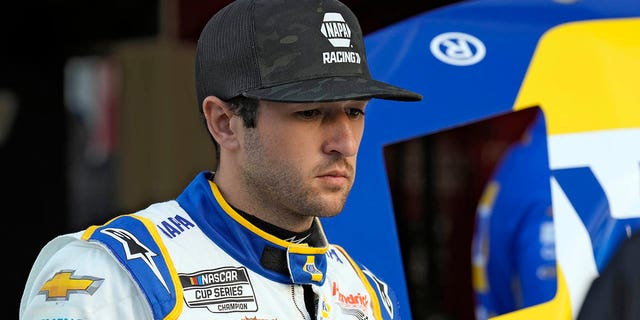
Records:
x=615, y=294
x=514, y=247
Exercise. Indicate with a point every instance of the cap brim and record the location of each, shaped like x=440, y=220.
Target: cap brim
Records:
x=332, y=89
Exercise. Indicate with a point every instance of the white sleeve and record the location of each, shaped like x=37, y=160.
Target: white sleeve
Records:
x=75, y=279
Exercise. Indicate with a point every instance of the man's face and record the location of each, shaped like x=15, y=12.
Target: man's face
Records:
x=300, y=158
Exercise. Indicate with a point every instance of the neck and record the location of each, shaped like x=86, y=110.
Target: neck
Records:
x=297, y=237
x=237, y=196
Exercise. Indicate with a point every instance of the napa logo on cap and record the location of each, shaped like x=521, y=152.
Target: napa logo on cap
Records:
x=337, y=31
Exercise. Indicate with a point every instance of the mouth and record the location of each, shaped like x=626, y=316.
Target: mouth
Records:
x=336, y=173
x=335, y=177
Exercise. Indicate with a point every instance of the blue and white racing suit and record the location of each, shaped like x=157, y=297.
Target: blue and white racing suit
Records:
x=197, y=258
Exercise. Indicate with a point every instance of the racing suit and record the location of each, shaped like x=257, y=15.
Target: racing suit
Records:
x=513, y=252
x=197, y=258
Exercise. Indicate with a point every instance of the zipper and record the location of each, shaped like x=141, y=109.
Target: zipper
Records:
x=303, y=310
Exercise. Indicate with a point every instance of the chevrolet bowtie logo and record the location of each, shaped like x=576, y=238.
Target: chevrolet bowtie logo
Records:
x=64, y=283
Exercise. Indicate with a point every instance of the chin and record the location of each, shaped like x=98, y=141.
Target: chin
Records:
x=331, y=210
x=328, y=214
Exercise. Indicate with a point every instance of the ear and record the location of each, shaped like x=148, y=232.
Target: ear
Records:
x=219, y=122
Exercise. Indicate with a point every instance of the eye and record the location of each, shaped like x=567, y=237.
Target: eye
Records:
x=308, y=114
x=355, y=113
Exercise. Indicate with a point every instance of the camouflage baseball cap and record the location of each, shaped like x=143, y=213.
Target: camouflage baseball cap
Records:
x=287, y=51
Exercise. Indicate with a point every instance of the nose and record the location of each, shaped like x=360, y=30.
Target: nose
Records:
x=342, y=136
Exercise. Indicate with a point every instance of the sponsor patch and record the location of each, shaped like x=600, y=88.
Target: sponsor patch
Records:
x=458, y=48
x=337, y=31
x=134, y=249
x=64, y=283
x=222, y=290
x=310, y=268
x=354, y=304
x=325, y=308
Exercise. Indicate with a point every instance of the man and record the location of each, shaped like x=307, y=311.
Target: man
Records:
x=283, y=86
x=513, y=251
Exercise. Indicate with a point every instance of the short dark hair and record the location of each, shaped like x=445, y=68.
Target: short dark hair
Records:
x=247, y=108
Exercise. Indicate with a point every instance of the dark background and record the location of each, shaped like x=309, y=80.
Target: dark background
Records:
x=36, y=38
